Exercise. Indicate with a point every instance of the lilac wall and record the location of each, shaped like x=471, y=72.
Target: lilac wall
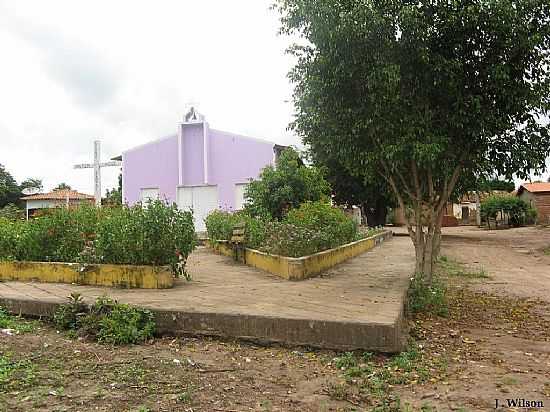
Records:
x=152, y=165
x=232, y=159
x=235, y=159
x=192, y=155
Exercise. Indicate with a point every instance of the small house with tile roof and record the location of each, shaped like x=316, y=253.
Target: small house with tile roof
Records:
x=56, y=198
x=537, y=195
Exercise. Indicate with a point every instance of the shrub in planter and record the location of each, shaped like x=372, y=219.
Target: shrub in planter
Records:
x=8, y=236
x=157, y=234
x=309, y=229
x=323, y=217
x=220, y=224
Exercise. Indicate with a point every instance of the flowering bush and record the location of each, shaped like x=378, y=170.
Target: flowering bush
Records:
x=158, y=234
x=220, y=224
x=311, y=228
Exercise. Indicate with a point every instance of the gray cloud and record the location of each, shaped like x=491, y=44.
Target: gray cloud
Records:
x=78, y=68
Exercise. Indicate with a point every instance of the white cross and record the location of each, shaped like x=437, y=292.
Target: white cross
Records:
x=97, y=165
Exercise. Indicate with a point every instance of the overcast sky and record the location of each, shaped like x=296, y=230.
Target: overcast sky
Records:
x=125, y=71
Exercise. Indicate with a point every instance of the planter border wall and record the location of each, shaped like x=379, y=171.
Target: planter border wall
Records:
x=120, y=276
x=303, y=267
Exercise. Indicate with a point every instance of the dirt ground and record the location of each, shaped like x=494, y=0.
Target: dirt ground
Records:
x=494, y=343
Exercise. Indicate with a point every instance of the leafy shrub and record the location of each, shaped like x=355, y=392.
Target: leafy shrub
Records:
x=323, y=217
x=158, y=234
x=531, y=216
x=514, y=209
x=312, y=228
x=8, y=236
x=17, y=323
x=220, y=224
x=282, y=188
x=106, y=321
x=424, y=298
x=12, y=212
x=154, y=235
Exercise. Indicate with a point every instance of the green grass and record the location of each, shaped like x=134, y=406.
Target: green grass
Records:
x=17, y=323
x=546, y=251
x=431, y=299
x=452, y=268
x=375, y=377
x=16, y=374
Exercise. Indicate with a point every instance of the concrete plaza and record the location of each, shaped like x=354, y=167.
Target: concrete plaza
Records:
x=356, y=305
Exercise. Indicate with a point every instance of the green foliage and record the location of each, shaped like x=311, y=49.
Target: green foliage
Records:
x=490, y=185
x=285, y=187
x=113, y=197
x=62, y=186
x=16, y=323
x=311, y=228
x=322, y=216
x=450, y=267
x=67, y=316
x=17, y=373
x=106, y=321
x=154, y=235
x=420, y=93
x=30, y=183
x=427, y=298
x=513, y=209
x=220, y=224
x=9, y=190
x=531, y=216
x=375, y=376
x=12, y=212
x=157, y=234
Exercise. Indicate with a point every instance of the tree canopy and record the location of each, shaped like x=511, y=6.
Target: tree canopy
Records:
x=285, y=186
x=30, y=183
x=420, y=93
x=62, y=186
x=9, y=190
x=373, y=197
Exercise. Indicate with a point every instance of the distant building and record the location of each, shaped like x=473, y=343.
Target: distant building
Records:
x=537, y=195
x=57, y=198
x=197, y=168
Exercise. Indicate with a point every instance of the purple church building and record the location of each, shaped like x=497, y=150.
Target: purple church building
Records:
x=198, y=168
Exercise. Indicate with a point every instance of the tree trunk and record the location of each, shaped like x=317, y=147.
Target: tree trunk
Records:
x=426, y=236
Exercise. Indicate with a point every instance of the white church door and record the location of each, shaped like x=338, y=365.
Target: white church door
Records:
x=201, y=199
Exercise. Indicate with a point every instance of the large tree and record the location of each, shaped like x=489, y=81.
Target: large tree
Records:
x=9, y=190
x=30, y=183
x=372, y=197
x=419, y=93
x=62, y=186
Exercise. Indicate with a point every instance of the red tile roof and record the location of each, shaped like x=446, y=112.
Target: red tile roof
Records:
x=59, y=195
x=537, y=187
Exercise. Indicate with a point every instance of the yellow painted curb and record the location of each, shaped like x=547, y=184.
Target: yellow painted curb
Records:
x=120, y=276
x=303, y=267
